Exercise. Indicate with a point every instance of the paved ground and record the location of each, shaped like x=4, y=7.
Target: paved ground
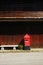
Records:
x=26, y=58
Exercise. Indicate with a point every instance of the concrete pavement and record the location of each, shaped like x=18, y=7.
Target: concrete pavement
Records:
x=31, y=58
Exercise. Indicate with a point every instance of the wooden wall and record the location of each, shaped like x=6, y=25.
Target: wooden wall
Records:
x=21, y=14
x=36, y=40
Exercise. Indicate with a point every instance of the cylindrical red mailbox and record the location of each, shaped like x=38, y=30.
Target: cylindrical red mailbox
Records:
x=27, y=42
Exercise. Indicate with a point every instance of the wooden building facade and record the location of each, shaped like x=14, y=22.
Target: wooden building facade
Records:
x=14, y=25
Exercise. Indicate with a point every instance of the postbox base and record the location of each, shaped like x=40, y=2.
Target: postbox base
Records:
x=26, y=47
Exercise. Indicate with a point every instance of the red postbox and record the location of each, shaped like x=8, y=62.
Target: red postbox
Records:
x=27, y=42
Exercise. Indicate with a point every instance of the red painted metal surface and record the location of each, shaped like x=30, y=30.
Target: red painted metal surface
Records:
x=27, y=40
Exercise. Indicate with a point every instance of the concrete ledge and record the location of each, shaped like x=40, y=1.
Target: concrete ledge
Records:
x=19, y=51
x=37, y=49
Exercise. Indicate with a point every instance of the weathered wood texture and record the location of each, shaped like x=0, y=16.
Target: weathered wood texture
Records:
x=20, y=14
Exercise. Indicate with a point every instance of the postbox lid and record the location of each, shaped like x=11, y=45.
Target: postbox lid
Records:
x=27, y=36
